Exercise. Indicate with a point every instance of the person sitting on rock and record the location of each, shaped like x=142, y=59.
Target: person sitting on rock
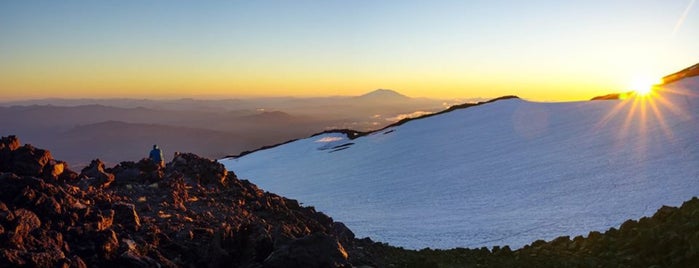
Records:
x=157, y=155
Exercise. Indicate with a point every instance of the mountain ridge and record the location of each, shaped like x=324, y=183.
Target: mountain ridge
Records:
x=353, y=134
x=267, y=121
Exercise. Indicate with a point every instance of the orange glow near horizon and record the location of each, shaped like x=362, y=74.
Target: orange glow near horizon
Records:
x=236, y=49
x=170, y=84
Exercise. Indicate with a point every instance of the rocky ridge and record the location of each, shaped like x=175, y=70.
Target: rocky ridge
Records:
x=191, y=213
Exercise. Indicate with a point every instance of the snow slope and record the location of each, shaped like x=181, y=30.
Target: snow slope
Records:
x=504, y=173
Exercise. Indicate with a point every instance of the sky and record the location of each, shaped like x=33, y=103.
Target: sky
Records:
x=538, y=50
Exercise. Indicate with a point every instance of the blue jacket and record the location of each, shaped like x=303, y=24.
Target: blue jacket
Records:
x=156, y=154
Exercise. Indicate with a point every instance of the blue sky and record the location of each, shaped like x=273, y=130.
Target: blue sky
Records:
x=548, y=50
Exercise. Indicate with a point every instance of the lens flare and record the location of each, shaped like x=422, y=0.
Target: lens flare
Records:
x=642, y=110
x=643, y=86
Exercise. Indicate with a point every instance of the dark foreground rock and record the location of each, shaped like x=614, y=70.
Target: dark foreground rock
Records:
x=195, y=213
x=192, y=213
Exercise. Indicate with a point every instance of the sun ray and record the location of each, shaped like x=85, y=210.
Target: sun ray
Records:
x=629, y=116
x=642, y=143
x=672, y=107
x=611, y=114
x=661, y=119
x=639, y=113
x=624, y=133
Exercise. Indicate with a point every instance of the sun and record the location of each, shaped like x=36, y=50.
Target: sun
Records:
x=643, y=86
x=643, y=91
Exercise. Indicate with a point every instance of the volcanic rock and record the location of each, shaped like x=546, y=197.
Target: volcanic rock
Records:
x=97, y=176
x=54, y=169
x=7, y=145
x=197, y=169
x=25, y=160
x=316, y=250
x=192, y=213
x=145, y=170
x=126, y=215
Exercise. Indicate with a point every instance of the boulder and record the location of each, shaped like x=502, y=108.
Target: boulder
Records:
x=68, y=175
x=10, y=142
x=107, y=244
x=343, y=234
x=5, y=214
x=125, y=214
x=7, y=145
x=132, y=259
x=99, y=177
x=11, y=258
x=316, y=250
x=54, y=169
x=104, y=219
x=197, y=169
x=143, y=171
x=77, y=262
x=29, y=161
x=26, y=221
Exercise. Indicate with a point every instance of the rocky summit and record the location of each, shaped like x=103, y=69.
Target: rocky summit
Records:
x=195, y=213
x=191, y=213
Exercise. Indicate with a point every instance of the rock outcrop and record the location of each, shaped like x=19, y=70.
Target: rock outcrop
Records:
x=192, y=213
x=96, y=176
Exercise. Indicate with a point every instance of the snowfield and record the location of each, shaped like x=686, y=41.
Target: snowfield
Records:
x=503, y=173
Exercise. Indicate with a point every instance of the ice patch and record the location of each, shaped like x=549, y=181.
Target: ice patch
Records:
x=329, y=139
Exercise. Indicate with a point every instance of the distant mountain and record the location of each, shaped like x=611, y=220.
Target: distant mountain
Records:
x=249, y=123
x=384, y=95
x=114, y=141
x=506, y=172
x=51, y=116
x=173, y=105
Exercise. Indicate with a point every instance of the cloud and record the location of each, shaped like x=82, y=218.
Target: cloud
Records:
x=680, y=21
x=409, y=115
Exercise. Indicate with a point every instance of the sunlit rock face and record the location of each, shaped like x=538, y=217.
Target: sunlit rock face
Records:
x=503, y=173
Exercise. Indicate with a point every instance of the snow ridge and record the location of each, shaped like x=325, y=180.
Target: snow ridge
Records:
x=506, y=173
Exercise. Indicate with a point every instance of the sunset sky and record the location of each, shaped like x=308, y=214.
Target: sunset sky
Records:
x=539, y=50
